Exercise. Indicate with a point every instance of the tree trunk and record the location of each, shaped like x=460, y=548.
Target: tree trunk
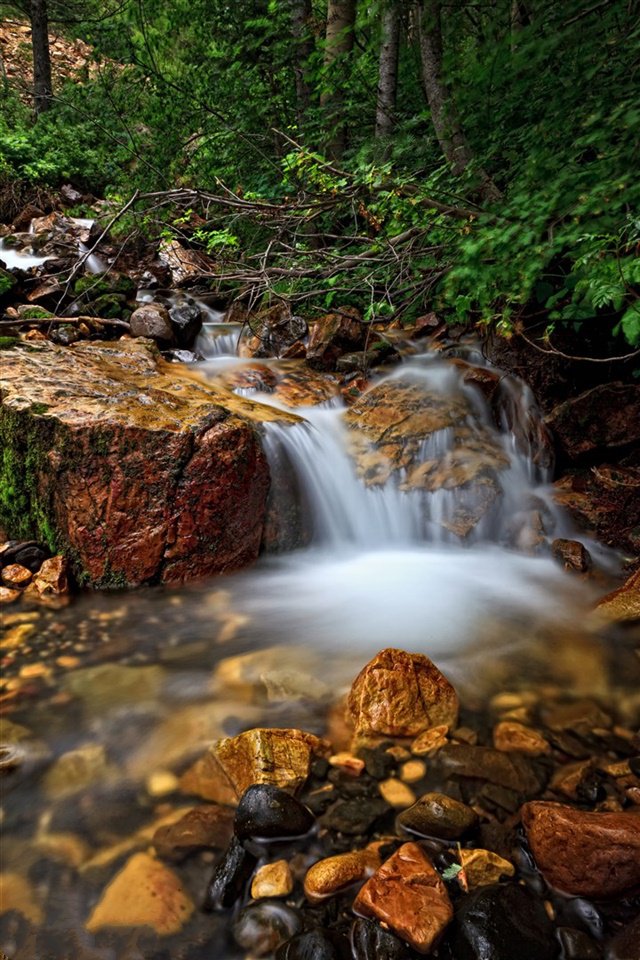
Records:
x=42, y=88
x=341, y=18
x=301, y=14
x=444, y=114
x=388, y=70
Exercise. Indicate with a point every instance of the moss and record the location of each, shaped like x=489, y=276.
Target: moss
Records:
x=35, y=313
x=97, y=284
x=7, y=281
x=39, y=408
x=112, y=579
x=7, y=342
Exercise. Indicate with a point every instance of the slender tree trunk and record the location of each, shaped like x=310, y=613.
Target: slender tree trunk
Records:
x=444, y=114
x=388, y=70
x=301, y=14
x=42, y=88
x=341, y=18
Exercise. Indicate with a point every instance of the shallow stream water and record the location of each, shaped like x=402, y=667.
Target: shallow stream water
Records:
x=147, y=679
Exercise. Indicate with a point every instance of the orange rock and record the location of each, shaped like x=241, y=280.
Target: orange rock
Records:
x=482, y=867
x=595, y=855
x=623, y=603
x=51, y=578
x=408, y=894
x=509, y=735
x=276, y=756
x=16, y=576
x=430, y=740
x=334, y=874
x=7, y=595
x=272, y=880
x=144, y=893
x=401, y=694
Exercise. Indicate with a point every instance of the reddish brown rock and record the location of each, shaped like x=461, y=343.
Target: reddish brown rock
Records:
x=572, y=554
x=52, y=577
x=281, y=757
x=595, y=855
x=400, y=694
x=605, y=501
x=333, y=335
x=334, y=874
x=623, y=603
x=143, y=472
x=408, y=894
x=14, y=576
x=203, y=827
x=601, y=419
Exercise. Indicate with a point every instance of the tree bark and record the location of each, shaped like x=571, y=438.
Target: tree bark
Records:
x=42, y=87
x=301, y=14
x=341, y=18
x=388, y=70
x=444, y=114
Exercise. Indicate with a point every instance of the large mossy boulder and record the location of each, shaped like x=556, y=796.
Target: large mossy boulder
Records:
x=135, y=469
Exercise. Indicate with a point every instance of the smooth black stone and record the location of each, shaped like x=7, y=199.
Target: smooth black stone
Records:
x=261, y=927
x=268, y=813
x=27, y=553
x=355, y=817
x=186, y=320
x=370, y=942
x=503, y=922
x=229, y=877
x=577, y=945
x=377, y=762
x=315, y=945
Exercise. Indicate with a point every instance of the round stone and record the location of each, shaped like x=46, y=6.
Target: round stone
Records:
x=261, y=927
x=267, y=813
x=437, y=815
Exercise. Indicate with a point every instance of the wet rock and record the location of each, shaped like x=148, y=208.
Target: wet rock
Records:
x=369, y=940
x=266, y=812
x=437, y=815
x=408, y=895
x=626, y=944
x=14, y=576
x=16, y=893
x=272, y=880
x=483, y=867
x=396, y=793
x=355, y=817
x=143, y=893
x=229, y=877
x=52, y=579
x=315, y=945
x=333, y=335
x=572, y=555
x=186, y=322
x=502, y=922
x=578, y=945
x=429, y=741
x=577, y=716
x=8, y=595
x=170, y=485
x=152, y=320
x=624, y=603
x=275, y=332
x=605, y=501
x=27, y=554
x=511, y=736
x=184, y=265
x=604, y=418
x=204, y=827
x=78, y=769
x=399, y=694
x=281, y=757
x=512, y=771
x=594, y=855
x=334, y=874
x=262, y=927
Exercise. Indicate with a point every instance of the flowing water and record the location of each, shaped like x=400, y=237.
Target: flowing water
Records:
x=446, y=557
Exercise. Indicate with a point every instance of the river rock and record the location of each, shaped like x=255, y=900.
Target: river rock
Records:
x=369, y=940
x=186, y=322
x=601, y=419
x=355, y=816
x=78, y=769
x=229, y=877
x=437, y=815
x=272, y=880
x=315, y=945
x=267, y=813
x=262, y=927
x=279, y=757
x=138, y=470
x=408, y=895
x=51, y=579
x=204, y=827
x=8, y=595
x=624, y=603
x=483, y=867
x=333, y=335
x=143, y=893
x=509, y=735
x=275, y=331
x=16, y=893
x=595, y=855
x=152, y=320
x=604, y=500
x=502, y=922
x=400, y=694
x=15, y=576
x=626, y=944
x=511, y=771
x=572, y=555
x=334, y=874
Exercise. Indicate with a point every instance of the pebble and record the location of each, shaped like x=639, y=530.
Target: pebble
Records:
x=16, y=636
x=347, y=762
x=272, y=880
x=408, y=895
x=412, y=771
x=437, y=815
x=400, y=694
x=397, y=794
x=266, y=812
x=335, y=874
x=8, y=595
x=144, y=893
x=509, y=736
x=161, y=783
x=77, y=769
x=430, y=740
x=502, y=922
x=16, y=576
x=369, y=940
x=262, y=927
x=205, y=827
x=594, y=855
x=354, y=817
x=229, y=877
x=482, y=867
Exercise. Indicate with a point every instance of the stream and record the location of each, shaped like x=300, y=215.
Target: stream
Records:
x=135, y=685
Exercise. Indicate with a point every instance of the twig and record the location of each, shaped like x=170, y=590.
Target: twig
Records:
x=568, y=356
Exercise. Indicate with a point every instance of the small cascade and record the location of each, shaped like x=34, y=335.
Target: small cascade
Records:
x=217, y=340
x=19, y=259
x=93, y=263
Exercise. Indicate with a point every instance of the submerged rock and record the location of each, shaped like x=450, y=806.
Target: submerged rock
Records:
x=585, y=854
x=229, y=877
x=334, y=874
x=437, y=815
x=266, y=812
x=624, y=603
x=262, y=927
x=135, y=469
x=204, y=827
x=333, y=335
x=502, y=922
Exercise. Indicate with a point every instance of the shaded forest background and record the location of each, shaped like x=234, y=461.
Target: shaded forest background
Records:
x=479, y=158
